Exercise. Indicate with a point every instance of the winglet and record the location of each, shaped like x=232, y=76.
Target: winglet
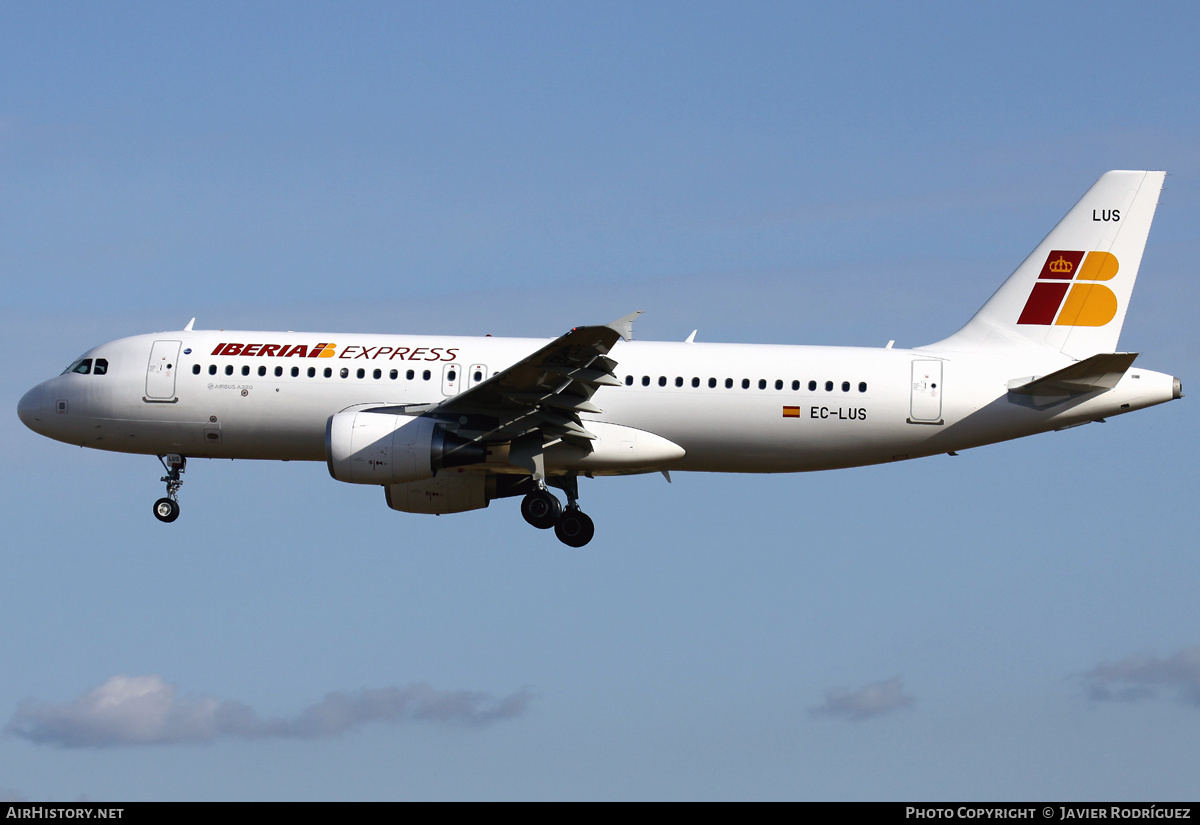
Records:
x=624, y=326
x=188, y=328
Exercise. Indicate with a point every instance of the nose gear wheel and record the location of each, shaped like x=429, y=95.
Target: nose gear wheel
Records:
x=167, y=509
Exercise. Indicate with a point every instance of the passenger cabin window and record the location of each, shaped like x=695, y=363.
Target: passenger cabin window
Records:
x=312, y=372
x=828, y=386
x=327, y=372
x=662, y=380
x=795, y=386
x=361, y=372
x=262, y=371
x=345, y=372
x=426, y=375
x=862, y=386
x=712, y=383
x=410, y=375
x=645, y=380
x=212, y=369
x=479, y=377
x=745, y=383
x=295, y=371
x=379, y=374
x=393, y=374
x=812, y=386
x=229, y=369
x=246, y=370
x=195, y=369
x=728, y=383
x=845, y=386
x=695, y=382
x=628, y=380
x=762, y=383
x=278, y=372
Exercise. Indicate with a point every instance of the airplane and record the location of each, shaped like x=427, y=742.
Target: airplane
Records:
x=447, y=424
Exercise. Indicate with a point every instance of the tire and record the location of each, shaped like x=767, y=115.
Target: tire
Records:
x=166, y=510
x=574, y=528
x=541, y=509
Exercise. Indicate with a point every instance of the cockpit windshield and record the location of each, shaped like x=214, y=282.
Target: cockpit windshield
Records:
x=86, y=366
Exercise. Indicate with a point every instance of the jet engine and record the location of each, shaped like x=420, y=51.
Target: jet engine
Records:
x=363, y=447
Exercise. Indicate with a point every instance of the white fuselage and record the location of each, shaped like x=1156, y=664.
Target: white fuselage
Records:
x=730, y=407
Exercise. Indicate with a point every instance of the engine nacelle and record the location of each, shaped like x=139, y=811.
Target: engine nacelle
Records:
x=382, y=448
x=448, y=493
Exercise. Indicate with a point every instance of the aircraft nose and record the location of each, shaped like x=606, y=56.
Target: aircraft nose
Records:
x=31, y=409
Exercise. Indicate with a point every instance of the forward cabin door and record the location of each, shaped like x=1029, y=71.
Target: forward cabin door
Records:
x=926, y=405
x=160, y=372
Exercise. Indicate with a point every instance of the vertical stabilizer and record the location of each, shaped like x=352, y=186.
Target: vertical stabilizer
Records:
x=1072, y=292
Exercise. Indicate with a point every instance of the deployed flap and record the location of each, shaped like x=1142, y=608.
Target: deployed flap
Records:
x=544, y=391
x=1100, y=372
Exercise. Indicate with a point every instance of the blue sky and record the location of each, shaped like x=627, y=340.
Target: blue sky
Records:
x=1018, y=622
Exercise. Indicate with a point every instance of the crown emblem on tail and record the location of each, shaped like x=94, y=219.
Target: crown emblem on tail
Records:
x=1061, y=265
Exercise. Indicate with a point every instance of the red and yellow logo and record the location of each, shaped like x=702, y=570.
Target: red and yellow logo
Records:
x=277, y=350
x=1087, y=304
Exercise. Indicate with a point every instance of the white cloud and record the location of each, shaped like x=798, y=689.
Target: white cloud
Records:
x=871, y=700
x=145, y=710
x=1142, y=675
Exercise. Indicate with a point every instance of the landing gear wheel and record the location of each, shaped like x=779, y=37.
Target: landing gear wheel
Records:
x=166, y=510
x=574, y=528
x=541, y=509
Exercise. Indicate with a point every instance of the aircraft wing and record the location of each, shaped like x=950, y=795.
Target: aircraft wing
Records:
x=544, y=391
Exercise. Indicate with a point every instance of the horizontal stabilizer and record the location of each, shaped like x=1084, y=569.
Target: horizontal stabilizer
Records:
x=1099, y=372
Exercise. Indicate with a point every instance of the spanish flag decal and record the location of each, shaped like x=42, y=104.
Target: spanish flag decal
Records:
x=791, y=412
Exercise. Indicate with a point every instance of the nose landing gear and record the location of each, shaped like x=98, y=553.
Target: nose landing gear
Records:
x=167, y=509
x=543, y=510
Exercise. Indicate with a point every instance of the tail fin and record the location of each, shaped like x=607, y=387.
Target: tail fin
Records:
x=1071, y=293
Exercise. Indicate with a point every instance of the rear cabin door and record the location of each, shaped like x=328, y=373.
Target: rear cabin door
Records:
x=926, y=407
x=160, y=372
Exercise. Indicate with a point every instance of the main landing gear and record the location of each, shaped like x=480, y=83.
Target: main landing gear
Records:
x=543, y=510
x=167, y=509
